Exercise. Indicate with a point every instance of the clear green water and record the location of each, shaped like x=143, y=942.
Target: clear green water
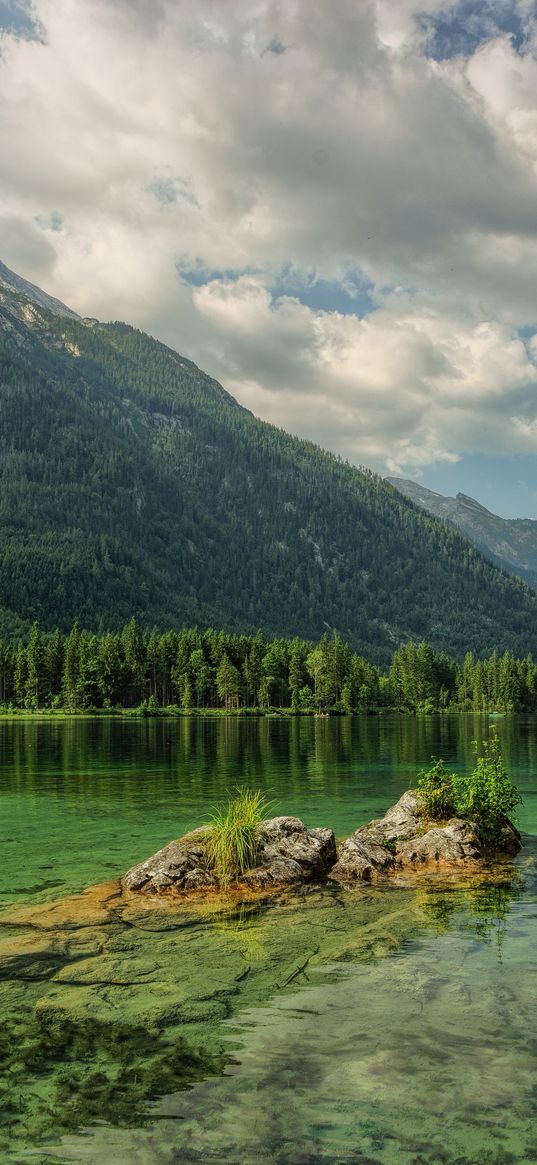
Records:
x=371, y=1026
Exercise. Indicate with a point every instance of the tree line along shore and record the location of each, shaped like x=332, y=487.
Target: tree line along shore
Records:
x=192, y=670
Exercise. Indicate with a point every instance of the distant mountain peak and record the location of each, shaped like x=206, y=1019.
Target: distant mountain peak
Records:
x=15, y=283
x=510, y=542
x=466, y=500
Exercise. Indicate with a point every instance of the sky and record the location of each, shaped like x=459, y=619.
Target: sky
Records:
x=330, y=207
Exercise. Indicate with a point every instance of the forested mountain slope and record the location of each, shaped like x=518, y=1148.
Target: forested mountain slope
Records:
x=511, y=542
x=133, y=484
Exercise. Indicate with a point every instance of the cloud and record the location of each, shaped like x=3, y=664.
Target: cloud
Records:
x=148, y=138
x=406, y=385
x=23, y=244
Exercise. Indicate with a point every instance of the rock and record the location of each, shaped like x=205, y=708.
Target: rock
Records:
x=180, y=865
x=455, y=842
x=402, y=819
x=94, y=907
x=403, y=839
x=361, y=858
x=108, y=970
x=37, y=954
x=288, y=853
x=30, y=957
x=365, y=853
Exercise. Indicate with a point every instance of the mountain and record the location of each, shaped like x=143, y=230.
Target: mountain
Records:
x=510, y=542
x=131, y=483
x=30, y=295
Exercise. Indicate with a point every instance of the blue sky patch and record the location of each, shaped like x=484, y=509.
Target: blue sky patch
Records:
x=168, y=190
x=15, y=18
x=505, y=485
x=275, y=46
x=50, y=222
x=460, y=28
x=165, y=190
x=199, y=275
x=351, y=296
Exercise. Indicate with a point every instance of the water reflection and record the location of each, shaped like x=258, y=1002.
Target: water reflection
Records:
x=310, y=752
x=87, y=799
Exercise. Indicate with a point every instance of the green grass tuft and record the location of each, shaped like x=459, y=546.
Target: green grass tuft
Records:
x=232, y=840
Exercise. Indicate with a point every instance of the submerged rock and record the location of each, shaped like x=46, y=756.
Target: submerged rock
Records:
x=402, y=838
x=287, y=854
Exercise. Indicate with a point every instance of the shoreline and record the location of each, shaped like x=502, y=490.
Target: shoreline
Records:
x=237, y=714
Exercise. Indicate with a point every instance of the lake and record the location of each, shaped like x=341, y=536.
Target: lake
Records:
x=378, y=1025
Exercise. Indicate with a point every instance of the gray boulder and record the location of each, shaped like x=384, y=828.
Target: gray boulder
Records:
x=402, y=838
x=361, y=858
x=287, y=854
x=180, y=865
x=450, y=844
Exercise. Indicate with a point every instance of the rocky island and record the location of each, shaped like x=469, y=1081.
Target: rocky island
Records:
x=405, y=840
x=288, y=854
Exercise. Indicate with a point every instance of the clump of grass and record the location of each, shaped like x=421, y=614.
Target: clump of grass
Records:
x=232, y=838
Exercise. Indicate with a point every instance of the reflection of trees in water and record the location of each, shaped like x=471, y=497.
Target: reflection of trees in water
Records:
x=201, y=758
x=481, y=911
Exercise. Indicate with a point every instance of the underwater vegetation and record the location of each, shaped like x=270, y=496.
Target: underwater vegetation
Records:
x=61, y=1074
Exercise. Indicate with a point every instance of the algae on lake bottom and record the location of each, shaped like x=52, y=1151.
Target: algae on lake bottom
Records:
x=112, y=1001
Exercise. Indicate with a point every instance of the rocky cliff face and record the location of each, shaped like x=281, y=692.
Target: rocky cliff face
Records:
x=27, y=292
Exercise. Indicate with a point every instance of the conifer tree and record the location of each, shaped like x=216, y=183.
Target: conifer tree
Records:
x=228, y=683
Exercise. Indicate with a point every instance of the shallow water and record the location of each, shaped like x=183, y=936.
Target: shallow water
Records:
x=426, y=1055
x=377, y=1025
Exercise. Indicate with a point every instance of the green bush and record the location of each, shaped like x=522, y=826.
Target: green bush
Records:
x=488, y=795
x=232, y=839
x=437, y=792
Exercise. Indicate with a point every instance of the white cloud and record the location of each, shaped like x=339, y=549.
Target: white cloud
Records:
x=143, y=134
x=407, y=385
